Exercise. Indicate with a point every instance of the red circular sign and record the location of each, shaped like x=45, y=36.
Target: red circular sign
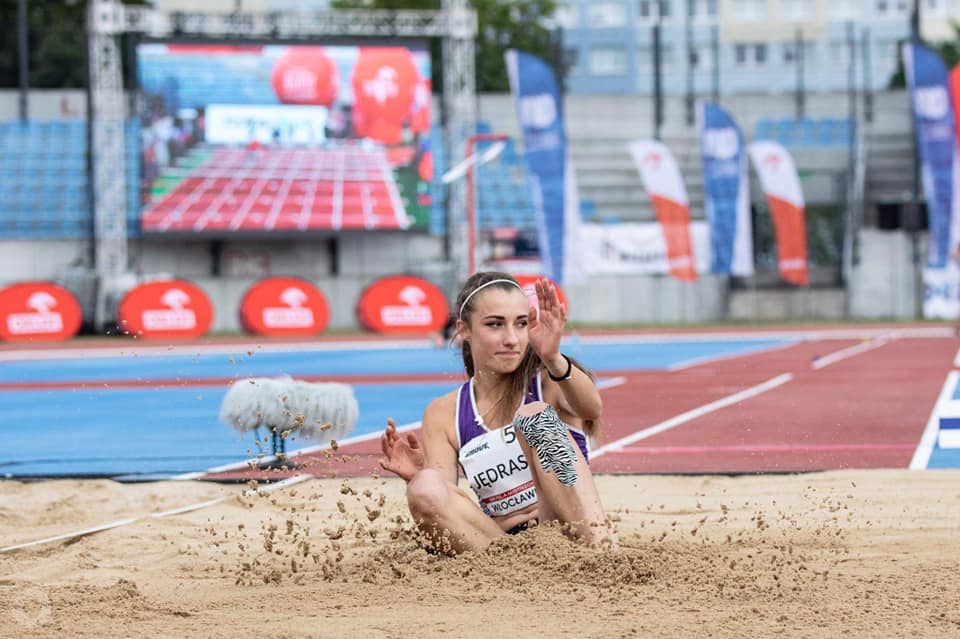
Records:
x=305, y=75
x=402, y=304
x=166, y=308
x=284, y=306
x=527, y=281
x=32, y=311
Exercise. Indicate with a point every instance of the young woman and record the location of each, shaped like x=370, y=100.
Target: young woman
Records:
x=517, y=428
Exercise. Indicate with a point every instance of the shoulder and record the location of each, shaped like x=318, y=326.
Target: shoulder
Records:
x=442, y=409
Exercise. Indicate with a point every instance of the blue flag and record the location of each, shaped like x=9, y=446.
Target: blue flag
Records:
x=936, y=140
x=540, y=112
x=725, y=192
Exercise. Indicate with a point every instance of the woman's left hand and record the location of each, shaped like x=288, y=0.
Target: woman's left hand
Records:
x=545, y=327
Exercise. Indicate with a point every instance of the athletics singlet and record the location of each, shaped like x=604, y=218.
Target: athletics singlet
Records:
x=492, y=460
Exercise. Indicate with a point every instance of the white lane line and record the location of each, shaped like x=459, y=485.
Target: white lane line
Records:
x=921, y=457
x=844, y=353
x=290, y=481
x=709, y=359
x=700, y=411
x=602, y=384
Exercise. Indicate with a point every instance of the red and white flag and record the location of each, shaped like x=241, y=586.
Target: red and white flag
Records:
x=662, y=180
x=778, y=177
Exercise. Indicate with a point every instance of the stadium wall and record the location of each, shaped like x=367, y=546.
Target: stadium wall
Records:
x=884, y=284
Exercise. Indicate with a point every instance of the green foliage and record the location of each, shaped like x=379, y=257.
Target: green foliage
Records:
x=56, y=40
x=502, y=25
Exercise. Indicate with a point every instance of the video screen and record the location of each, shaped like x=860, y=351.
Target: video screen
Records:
x=283, y=138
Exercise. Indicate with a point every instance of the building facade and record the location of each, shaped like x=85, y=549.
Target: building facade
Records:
x=738, y=46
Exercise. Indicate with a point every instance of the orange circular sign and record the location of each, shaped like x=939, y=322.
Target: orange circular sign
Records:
x=32, y=311
x=527, y=281
x=166, y=308
x=402, y=304
x=284, y=306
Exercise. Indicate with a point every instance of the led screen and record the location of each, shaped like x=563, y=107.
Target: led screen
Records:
x=274, y=138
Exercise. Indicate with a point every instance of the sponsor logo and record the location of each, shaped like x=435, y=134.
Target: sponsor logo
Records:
x=402, y=303
x=41, y=320
x=721, y=144
x=38, y=310
x=176, y=318
x=538, y=111
x=412, y=314
x=293, y=315
x=382, y=86
x=476, y=449
x=931, y=103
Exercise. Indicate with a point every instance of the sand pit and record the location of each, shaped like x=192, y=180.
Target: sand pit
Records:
x=862, y=553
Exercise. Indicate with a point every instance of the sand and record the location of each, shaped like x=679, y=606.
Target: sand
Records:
x=856, y=553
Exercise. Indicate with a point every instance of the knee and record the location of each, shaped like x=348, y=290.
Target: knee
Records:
x=427, y=493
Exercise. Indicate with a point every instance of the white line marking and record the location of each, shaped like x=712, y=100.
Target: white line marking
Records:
x=290, y=481
x=921, y=457
x=700, y=411
x=956, y=359
x=844, y=353
x=709, y=359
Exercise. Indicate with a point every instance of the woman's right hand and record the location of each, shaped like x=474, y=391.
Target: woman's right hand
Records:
x=402, y=453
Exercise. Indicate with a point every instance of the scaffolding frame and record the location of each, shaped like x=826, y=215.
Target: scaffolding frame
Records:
x=108, y=20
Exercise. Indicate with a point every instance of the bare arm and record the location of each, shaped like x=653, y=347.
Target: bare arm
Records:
x=438, y=420
x=578, y=393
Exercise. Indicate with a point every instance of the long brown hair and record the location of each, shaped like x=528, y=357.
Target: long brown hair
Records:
x=529, y=365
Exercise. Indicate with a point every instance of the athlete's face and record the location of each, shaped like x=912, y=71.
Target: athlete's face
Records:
x=498, y=329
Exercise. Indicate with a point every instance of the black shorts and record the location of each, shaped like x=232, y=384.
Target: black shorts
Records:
x=519, y=528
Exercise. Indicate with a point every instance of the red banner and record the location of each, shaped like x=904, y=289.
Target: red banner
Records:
x=166, y=309
x=284, y=306
x=674, y=218
x=402, y=304
x=38, y=311
x=790, y=231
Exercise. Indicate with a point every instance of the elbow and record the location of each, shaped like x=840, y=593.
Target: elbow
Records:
x=592, y=410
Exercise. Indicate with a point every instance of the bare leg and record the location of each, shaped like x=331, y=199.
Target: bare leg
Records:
x=447, y=515
x=565, y=485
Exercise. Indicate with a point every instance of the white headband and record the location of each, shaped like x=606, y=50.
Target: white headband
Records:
x=480, y=288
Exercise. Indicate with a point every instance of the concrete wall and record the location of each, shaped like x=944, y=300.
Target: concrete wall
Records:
x=887, y=283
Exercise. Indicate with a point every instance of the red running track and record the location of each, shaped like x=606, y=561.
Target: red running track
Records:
x=867, y=410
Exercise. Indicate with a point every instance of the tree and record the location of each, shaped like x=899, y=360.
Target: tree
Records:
x=501, y=25
x=57, y=41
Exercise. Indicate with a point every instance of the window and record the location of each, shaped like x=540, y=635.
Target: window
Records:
x=702, y=57
x=797, y=9
x=941, y=8
x=608, y=61
x=703, y=10
x=838, y=52
x=645, y=58
x=649, y=10
x=750, y=54
x=790, y=53
x=749, y=10
x=607, y=14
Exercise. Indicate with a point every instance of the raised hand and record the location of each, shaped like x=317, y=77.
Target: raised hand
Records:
x=545, y=327
x=402, y=453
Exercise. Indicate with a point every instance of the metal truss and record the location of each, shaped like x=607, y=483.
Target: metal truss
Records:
x=107, y=20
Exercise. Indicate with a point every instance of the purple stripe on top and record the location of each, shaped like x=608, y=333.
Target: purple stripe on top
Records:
x=469, y=426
